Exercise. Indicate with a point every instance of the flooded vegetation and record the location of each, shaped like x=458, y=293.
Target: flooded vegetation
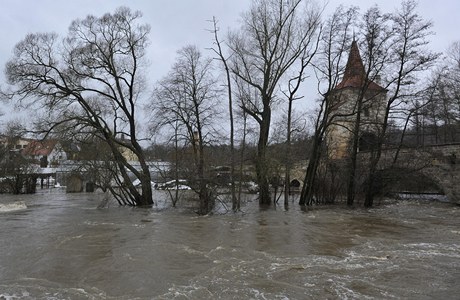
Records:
x=60, y=246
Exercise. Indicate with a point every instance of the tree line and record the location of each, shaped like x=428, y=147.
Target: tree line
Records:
x=90, y=85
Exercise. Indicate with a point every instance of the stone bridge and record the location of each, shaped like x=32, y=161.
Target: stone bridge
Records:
x=439, y=163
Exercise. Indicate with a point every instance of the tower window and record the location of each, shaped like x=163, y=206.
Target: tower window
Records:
x=366, y=111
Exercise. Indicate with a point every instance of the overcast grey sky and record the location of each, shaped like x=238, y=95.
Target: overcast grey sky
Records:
x=176, y=23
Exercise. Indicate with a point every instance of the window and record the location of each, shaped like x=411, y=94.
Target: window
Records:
x=366, y=111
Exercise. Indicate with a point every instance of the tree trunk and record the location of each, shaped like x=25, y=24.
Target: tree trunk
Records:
x=287, y=176
x=235, y=199
x=241, y=166
x=206, y=201
x=261, y=161
x=262, y=178
x=306, y=196
x=146, y=183
x=370, y=191
x=401, y=140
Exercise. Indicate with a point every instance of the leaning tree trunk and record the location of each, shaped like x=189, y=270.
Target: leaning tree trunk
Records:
x=306, y=196
x=144, y=177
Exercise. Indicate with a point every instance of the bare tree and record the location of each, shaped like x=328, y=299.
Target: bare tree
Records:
x=294, y=83
x=236, y=203
x=407, y=59
x=442, y=99
x=376, y=32
x=187, y=95
x=91, y=79
x=274, y=34
x=329, y=64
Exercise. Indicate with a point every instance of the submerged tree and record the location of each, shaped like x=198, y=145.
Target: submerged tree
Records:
x=274, y=35
x=406, y=60
x=292, y=94
x=370, y=95
x=236, y=201
x=91, y=81
x=186, y=98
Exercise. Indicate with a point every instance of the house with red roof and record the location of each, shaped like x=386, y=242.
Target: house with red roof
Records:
x=46, y=152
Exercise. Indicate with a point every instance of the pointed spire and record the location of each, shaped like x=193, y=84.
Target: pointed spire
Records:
x=355, y=73
x=355, y=67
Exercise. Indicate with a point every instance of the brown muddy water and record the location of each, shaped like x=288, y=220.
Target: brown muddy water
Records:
x=60, y=246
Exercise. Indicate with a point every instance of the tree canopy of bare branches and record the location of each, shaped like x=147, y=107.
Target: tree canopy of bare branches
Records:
x=402, y=66
x=90, y=81
x=186, y=99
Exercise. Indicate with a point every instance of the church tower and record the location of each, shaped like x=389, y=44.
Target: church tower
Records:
x=352, y=92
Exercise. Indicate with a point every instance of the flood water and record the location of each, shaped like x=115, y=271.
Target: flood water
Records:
x=60, y=246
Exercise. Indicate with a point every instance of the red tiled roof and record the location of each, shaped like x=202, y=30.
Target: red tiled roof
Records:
x=354, y=71
x=39, y=148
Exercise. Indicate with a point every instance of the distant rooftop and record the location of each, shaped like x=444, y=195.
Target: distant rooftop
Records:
x=39, y=148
